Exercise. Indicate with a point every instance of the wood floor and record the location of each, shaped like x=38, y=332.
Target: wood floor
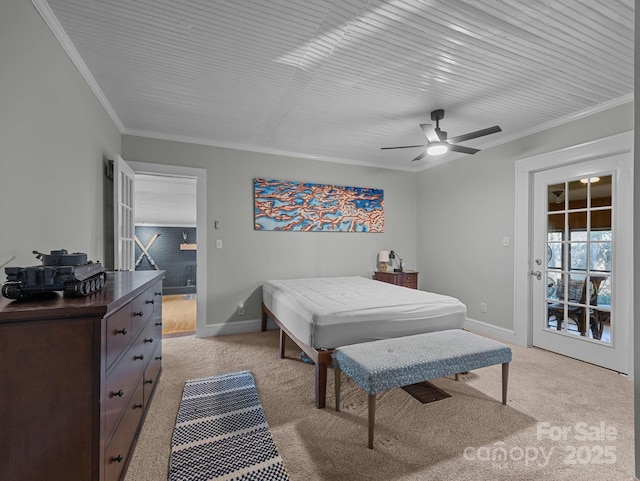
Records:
x=179, y=314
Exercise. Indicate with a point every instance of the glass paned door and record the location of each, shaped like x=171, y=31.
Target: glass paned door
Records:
x=579, y=251
x=581, y=258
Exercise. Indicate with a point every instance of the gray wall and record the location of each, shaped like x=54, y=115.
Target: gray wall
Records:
x=636, y=253
x=467, y=206
x=54, y=138
x=248, y=257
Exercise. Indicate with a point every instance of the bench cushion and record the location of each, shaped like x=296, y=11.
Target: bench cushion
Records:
x=389, y=363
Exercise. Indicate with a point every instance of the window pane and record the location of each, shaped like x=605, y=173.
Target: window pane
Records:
x=600, y=256
x=578, y=221
x=577, y=195
x=553, y=284
x=601, y=220
x=578, y=255
x=554, y=255
x=555, y=195
x=601, y=192
x=601, y=235
x=555, y=223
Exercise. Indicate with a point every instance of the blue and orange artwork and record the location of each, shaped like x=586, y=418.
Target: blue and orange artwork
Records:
x=297, y=206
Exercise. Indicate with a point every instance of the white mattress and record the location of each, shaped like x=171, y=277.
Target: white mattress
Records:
x=328, y=312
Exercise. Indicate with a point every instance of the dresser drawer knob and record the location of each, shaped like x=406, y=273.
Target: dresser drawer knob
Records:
x=157, y=293
x=119, y=393
x=158, y=323
x=149, y=340
x=122, y=331
x=151, y=301
x=138, y=314
x=139, y=357
x=117, y=459
x=138, y=406
x=148, y=381
x=158, y=358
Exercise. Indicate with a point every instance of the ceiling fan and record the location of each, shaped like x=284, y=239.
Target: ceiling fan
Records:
x=438, y=143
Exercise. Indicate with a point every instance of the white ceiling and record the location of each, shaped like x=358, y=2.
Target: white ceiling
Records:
x=337, y=80
x=165, y=201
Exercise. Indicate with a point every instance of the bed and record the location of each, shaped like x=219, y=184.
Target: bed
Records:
x=322, y=313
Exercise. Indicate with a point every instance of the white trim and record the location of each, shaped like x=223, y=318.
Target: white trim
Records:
x=201, y=224
x=262, y=150
x=165, y=224
x=65, y=42
x=236, y=327
x=525, y=169
x=489, y=330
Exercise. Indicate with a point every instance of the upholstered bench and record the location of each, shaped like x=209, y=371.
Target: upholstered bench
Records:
x=389, y=363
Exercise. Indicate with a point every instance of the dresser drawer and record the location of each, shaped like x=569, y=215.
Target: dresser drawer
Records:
x=409, y=280
x=119, y=449
x=120, y=384
x=142, y=307
x=404, y=279
x=152, y=372
x=150, y=338
x=118, y=333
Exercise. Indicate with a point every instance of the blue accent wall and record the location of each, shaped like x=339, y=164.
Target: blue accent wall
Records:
x=179, y=265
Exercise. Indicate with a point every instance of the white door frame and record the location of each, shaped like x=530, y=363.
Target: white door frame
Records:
x=525, y=168
x=201, y=228
x=123, y=215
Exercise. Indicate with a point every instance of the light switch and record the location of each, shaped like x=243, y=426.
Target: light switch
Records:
x=505, y=242
x=218, y=243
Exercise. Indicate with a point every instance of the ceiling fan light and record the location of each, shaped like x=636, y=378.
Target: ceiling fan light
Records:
x=437, y=148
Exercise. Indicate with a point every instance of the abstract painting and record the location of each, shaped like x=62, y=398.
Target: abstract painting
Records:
x=297, y=206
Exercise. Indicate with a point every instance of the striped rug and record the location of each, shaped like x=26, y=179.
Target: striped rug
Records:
x=222, y=434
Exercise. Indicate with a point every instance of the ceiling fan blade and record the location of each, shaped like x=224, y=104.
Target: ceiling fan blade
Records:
x=462, y=149
x=476, y=134
x=430, y=133
x=402, y=147
x=419, y=157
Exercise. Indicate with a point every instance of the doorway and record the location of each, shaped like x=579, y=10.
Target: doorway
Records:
x=574, y=296
x=174, y=174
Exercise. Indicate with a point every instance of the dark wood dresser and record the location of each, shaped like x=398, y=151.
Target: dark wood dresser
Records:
x=406, y=278
x=77, y=375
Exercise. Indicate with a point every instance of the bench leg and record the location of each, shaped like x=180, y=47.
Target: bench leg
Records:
x=283, y=338
x=336, y=373
x=372, y=417
x=505, y=380
x=321, y=385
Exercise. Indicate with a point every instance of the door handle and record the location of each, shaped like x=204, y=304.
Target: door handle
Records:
x=536, y=274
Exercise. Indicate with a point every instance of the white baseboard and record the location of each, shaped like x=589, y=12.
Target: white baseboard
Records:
x=489, y=330
x=238, y=327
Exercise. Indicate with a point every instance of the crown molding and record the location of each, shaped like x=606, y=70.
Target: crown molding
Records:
x=54, y=25
x=260, y=150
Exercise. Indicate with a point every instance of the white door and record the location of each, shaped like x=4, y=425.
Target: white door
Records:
x=123, y=200
x=582, y=261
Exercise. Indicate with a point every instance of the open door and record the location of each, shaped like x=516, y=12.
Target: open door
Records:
x=123, y=221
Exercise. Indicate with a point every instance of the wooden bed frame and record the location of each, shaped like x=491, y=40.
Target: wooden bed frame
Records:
x=322, y=358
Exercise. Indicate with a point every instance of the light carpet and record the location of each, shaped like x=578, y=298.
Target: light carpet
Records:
x=565, y=419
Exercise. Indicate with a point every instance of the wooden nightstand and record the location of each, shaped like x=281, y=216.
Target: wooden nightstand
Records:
x=406, y=278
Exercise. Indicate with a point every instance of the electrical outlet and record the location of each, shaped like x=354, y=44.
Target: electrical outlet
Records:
x=483, y=307
x=241, y=309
